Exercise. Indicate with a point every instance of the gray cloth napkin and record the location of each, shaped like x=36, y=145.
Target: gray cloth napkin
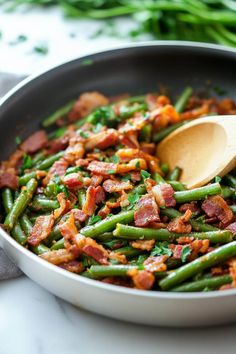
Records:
x=7, y=269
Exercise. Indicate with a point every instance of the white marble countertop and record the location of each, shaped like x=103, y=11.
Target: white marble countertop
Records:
x=33, y=321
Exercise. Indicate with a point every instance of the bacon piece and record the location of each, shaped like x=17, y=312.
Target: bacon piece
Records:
x=82, y=163
x=133, y=124
x=164, y=195
x=156, y=263
x=93, y=249
x=87, y=102
x=96, y=180
x=151, y=101
x=58, y=168
x=181, y=224
x=73, y=266
x=102, y=168
x=142, y=279
x=35, y=142
x=198, y=246
x=8, y=178
x=177, y=250
x=69, y=231
x=94, y=195
x=129, y=139
x=73, y=180
x=216, y=206
x=57, y=145
x=192, y=206
x=112, y=186
x=183, y=240
x=196, y=112
x=135, y=176
x=58, y=257
x=132, y=165
x=146, y=212
x=144, y=245
x=121, y=281
x=104, y=212
x=41, y=230
x=75, y=151
x=79, y=215
x=64, y=205
x=163, y=116
x=117, y=256
x=102, y=140
x=148, y=148
x=232, y=228
x=13, y=161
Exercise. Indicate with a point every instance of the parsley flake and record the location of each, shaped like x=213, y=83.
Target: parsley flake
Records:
x=145, y=174
x=94, y=219
x=83, y=134
x=111, y=172
x=115, y=159
x=185, y=253
x=161, y=248
x=18, y=140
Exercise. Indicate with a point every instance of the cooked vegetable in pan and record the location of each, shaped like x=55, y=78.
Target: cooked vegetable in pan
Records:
x=90, y=196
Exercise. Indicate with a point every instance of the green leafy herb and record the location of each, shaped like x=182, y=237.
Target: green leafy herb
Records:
x=41, y=49
x=27, y=163
x=18, y=140
x=145, y=174
x=83, y=134
x=137, y=164
x=115, y=159
x=73, y=170
x=94, y=219
x=161, y=248
x=111, y=172
x=126, y=177
x=97, y=128
x=186, y=251
x=218, y=179
x=133, y=198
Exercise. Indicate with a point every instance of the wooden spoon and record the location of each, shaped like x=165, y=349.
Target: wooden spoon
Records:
x=203, y=148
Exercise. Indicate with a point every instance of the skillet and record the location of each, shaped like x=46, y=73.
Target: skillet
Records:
x=134, y=69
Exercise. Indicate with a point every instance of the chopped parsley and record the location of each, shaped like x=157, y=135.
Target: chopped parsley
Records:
x=186, y=251
x=115, y=159
x=145, y=174
x=94, y=219
x=218, y=179
x=27, y=163
x=97, y=128
x=73, y=170
x=18, y=140
x=133, y=198
x=83, y=134
x=161, y=248
x=111, y=172
x=126, y=177
x=41, y=49
x=137, y=164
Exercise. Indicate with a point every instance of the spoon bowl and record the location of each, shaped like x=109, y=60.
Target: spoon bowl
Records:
x=203, y=149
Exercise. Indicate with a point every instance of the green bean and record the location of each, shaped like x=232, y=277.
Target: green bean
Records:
x=43, y=204
x=100, y=271
x=231, y=180
x=58, y=245
x=58, y=133
x=51, y=190
x=81, y=197
x=20, y=203
x=164, y=168
x=183, y=99
x=208, y=260
x=158, y=178
x=23, y=180
x=199, y=285
x=227, y=192
x=49, y=161
x=163, y=133
x=18, y=234
x=107, y=224
x=58, y=114
x=38, y=158
x=126, y=112
x=197, y=193
x=177, y=186
x=26, y=224
x=40, y=249
x=137, y=233
x=107, y=236
x=140, y=189
x=135, y=99
x=128, y=251
x=145, y=133
x=197, y=225
x=175, y=174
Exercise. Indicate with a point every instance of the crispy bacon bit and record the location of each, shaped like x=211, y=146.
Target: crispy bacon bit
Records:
x=75, y=151
x=163, y=116
x=73, y=266
x=232, y=271
x=102, y=168
x=196, y=112
x=216, y=206
x=156, y=264
x=8, y=178
x=142, y=279
x=181, y=224
x=41, y=230
x=102, y=140
x=96, y=251
x=13, y=161
x=58, y=257
x=64, y=205
x=86, y=103
x=192, y=206
x=135, y=176
x=198, y=246
x=133, y=124
x=151, y=100
x=96, y=180
x=135, y=164
x=73, y=180
x=232, y=228
x=129, y=139
x=144, y=245
x=58, y=168
x=94, y=195
x=147, y=211
x=57, y=145
x=226, y=287
x=35, y=142
x=112, y=186
x=79, y=215
x=148, y=148
x=69, y=231
x=117, y=256
x=183, y=240
x=104, y=212
x=164, y=195
x=177, y=251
